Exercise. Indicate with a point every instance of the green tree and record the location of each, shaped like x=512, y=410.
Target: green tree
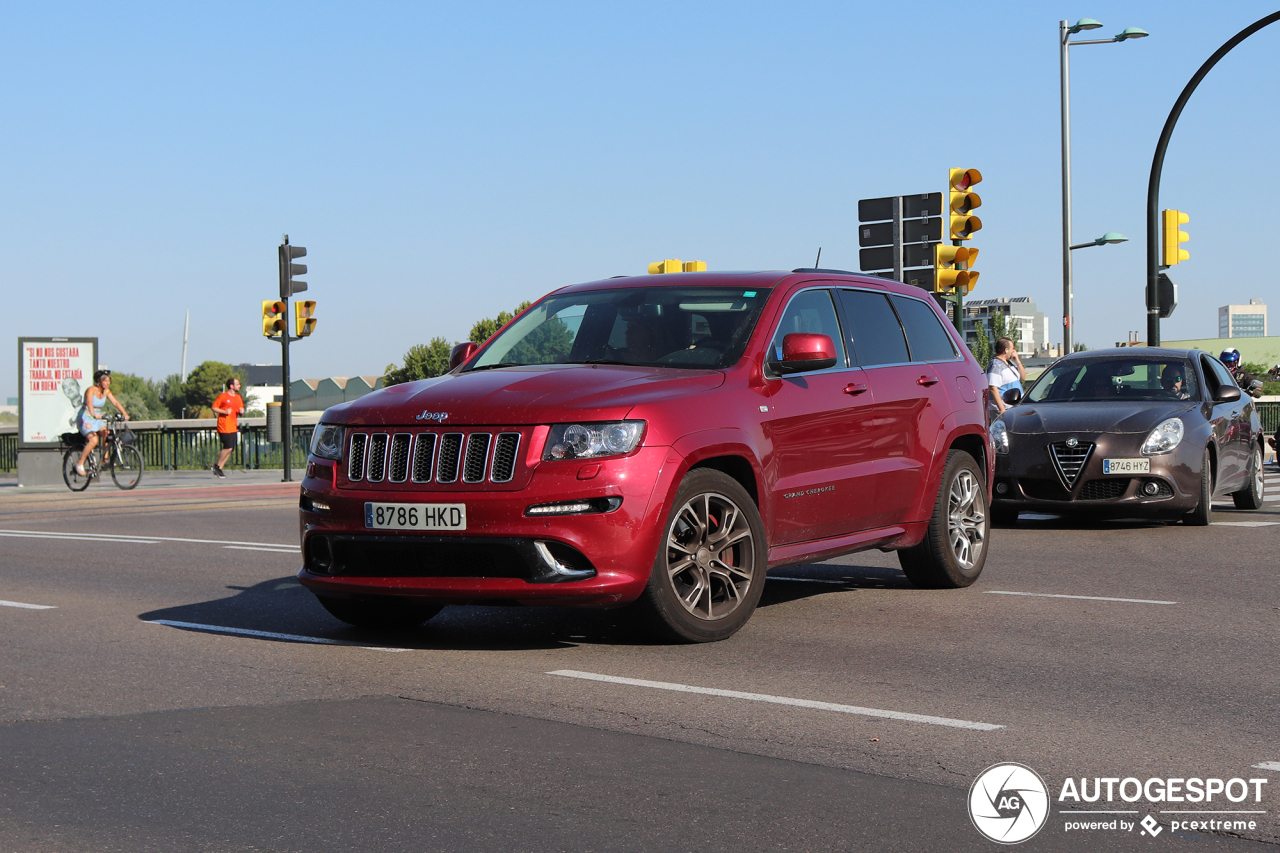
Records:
x=422, y=361
x=982, y=349
x=205, y=383
x=170, y=391
x=487, y=328
x=140, y=397
x=1079, y=346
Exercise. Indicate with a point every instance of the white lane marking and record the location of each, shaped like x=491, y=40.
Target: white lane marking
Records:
x=805, y=580
x=1083, y=597
x=780, y=700
x=245, y=632
x=123, y=537
x=1038, y=516
x=1267, y=765
x=270, y=549
x=1244, y=523
x=27, y=606
x=1212, y=811
x=78, y=538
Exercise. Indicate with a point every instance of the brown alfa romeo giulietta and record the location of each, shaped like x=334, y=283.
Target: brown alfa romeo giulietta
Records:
x=1128, y=432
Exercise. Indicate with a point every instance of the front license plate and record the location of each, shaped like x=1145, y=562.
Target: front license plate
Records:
x=1126, y=466
x=415, y=516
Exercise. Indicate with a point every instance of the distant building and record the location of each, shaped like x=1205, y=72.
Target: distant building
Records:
x=1020, y=313
x=316, y=395
x=1243, y=321
x=261, y=384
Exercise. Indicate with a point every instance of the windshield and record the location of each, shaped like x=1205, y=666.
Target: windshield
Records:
x=689, y=327
x=1129, y=380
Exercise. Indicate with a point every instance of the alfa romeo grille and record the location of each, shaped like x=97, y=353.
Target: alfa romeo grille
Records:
x=424, y=453
x=377, y=457
x=399, y=457
x=450, y=448
x=355, y=465
x=504, y=457
x=1104, y=490
x=1070, y=460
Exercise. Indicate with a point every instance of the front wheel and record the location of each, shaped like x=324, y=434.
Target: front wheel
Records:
x=387, y=614
x=75, y=482
x=711, y=562
x=1203, y=513
x=954, y=549
x=126, y=467
x=1250, y=497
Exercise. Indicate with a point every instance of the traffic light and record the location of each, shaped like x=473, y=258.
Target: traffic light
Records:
x=1172, y=251
x=952, y=269
x=289, y=284
x=275, y=321
x=304, y=311
x=670, y=265
x=962, y=202
x=694, y=266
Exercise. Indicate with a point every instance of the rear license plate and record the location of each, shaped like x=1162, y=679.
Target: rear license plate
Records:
x=415, y=516
x=1126, y=466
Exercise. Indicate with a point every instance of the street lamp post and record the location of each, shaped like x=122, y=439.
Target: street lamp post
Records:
x=1065, y=30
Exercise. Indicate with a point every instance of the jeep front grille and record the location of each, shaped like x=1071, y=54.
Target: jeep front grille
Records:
x=477, y=457
x=447, y=467
x=355, y=464
x=399, y=471
x=504, y=457
x=424, y=453
x=429, y=456
x=377, y=458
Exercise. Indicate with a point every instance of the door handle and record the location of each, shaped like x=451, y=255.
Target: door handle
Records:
x=855, y=388
x=926, y=381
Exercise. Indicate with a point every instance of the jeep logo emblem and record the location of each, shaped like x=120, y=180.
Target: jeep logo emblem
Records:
x=433, y=416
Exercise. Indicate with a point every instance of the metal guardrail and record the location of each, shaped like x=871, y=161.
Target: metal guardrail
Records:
x=193, y=445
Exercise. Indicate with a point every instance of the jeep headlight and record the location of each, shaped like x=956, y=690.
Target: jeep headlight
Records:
x=592, y=441
x=327, y=441
x=1164, y=437
x=1000, y=436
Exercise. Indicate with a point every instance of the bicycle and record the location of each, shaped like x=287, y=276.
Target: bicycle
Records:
x=123, y=459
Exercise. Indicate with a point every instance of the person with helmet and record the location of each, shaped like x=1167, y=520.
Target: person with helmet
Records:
x=1230, y=358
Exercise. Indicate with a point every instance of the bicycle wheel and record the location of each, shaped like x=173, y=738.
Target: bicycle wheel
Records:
x=74, y=481
x=126, y=466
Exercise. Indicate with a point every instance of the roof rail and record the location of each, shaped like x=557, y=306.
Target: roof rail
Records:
x=818, y=269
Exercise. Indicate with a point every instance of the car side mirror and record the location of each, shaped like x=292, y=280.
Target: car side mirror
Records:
x=1013, y=396
x=803, y=351
x=1226, y=394
x=461, y=352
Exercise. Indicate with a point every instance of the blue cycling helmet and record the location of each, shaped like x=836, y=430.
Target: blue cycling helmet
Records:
x=1230, y=357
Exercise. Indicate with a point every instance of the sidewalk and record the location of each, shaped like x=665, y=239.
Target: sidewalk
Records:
x=163, y=480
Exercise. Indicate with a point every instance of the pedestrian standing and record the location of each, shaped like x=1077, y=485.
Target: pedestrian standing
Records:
x=1004, y=372
x=227, y=407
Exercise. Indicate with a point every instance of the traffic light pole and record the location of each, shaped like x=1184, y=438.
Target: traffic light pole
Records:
x=286, y=414
x=1157, y=165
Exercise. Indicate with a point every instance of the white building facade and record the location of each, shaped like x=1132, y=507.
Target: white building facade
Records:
x=1243, y=321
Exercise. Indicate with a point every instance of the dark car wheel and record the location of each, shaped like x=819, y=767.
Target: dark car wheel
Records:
x=1250, y=497
x=710, y=567
x=954, y=549
x=1203, y=513
x=381, y=614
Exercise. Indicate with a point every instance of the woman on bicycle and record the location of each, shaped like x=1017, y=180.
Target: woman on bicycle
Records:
x=90, y=420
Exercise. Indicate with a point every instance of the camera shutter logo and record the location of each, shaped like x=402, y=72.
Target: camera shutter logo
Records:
x=1008, y=803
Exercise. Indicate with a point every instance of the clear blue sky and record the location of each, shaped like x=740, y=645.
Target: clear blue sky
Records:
x=444, y=162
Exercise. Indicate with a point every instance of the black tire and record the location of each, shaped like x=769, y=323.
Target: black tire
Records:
x=954, y=549
x=127, y=471
x=1004, y=515
x=711, y=562
x=1250, y=497
x=385, y=614
x=74, y=481
x=1203, y=513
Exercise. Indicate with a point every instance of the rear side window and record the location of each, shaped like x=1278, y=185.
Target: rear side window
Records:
x=810, y=311
x=1220, y=373
x=874, y=332
x=928, y=340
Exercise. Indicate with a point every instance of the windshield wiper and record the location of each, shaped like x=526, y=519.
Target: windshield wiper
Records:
x=499, y=364
x=606, y=361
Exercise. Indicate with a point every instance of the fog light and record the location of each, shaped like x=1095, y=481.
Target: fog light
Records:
x=1002, y=488
x=1151, y=488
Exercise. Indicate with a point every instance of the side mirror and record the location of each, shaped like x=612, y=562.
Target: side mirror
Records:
x=1013, y=396
x=461, y=352
x=1226, y=394
x=805, y=351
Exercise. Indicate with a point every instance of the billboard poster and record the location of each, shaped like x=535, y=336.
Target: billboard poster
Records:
x=53, y=374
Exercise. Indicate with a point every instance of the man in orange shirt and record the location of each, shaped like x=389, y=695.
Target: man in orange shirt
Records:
x=228, y=405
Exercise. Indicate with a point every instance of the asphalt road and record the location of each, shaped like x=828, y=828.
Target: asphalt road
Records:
x=180, y=691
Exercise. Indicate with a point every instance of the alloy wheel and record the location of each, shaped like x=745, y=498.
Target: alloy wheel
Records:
x=966, y=519
x=710, y=556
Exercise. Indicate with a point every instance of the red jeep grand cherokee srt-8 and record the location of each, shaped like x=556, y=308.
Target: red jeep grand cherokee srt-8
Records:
x=659, y=440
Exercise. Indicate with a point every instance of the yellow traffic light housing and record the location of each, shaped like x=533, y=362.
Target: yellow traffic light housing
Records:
x=952, y=269
x=694, y=266
x=1173, y=238
x=304, y=317
x=275, y=321
x=962, y=202
x=670, y=265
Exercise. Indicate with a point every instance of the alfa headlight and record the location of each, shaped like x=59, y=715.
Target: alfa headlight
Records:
x=1000, y=435
x=1164, y=437
x=327, y=441
x=592, y=441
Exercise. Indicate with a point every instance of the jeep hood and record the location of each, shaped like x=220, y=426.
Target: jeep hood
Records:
x=534, y=394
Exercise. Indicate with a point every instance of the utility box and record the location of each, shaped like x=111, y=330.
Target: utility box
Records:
x=275, y=416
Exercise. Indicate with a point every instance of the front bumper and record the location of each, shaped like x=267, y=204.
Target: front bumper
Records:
x=503, y=556
x=1027, y=478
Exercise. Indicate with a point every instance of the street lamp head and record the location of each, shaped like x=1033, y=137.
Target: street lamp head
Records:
x=1111, y=237
x=1132, y=33
x=1084, y=24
